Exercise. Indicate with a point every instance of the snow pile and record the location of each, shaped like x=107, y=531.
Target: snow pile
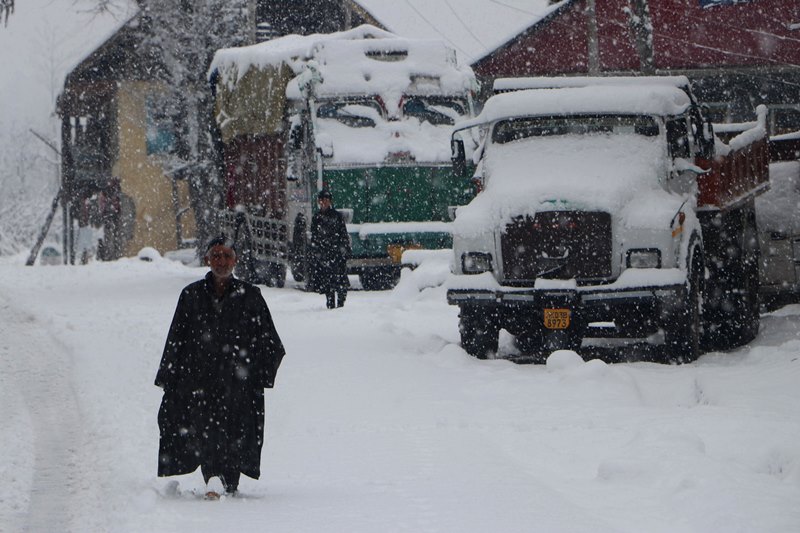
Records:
x=564, y=82
x=364, y=60
x=360, y=80
x=430, y=269
x=410, y=138
x=778, y=209
x=637, y=99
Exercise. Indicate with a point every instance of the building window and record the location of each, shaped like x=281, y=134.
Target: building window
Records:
x=160, y=128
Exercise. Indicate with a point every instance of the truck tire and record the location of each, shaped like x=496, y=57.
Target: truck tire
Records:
x=479, y=331
x=245, y=263
x=271, y=274
x=735, y=322
x=538, y=344
x=683, y=332
x=379, y=278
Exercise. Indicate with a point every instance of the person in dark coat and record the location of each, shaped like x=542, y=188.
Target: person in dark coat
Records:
x=222, y=351
x=330, y=250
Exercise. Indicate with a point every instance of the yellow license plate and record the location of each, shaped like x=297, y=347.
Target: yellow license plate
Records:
x=556, y=318
x=395, y=251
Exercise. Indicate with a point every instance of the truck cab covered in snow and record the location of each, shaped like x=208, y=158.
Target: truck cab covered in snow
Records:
x=362, y=113
x=598, y=203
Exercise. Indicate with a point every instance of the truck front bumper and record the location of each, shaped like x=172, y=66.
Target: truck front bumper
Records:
x=616, y=309
x=582, y=296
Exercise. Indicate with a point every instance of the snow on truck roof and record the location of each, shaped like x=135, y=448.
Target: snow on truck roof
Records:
x=628, y=100
x=562, y=82
x=364, y=60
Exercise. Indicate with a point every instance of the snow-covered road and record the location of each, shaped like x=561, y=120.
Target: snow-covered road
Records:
x=380, y=422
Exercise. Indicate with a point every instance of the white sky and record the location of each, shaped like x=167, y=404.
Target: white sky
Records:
x=45, y=39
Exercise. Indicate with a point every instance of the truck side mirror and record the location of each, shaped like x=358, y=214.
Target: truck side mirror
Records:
x=458, y=157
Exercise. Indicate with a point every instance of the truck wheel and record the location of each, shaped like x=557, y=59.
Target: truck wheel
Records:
x=275, y=275
x=267, y=273
x=682, y=334
x=298, y=271
x=531, y=344
x=736, y=322
x=379, y=278
x=245, y=265
x=479, y=331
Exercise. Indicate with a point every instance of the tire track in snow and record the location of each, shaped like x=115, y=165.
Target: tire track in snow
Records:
x=42, y=371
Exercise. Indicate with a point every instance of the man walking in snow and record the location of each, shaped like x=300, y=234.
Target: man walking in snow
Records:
x=222, y=351
x=330, y=249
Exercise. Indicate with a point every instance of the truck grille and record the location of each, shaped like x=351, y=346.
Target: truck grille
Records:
x=557, y=245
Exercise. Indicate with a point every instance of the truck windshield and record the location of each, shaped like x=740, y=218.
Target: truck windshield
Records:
x=522, y=128
x=363, y=113
x=437, y=111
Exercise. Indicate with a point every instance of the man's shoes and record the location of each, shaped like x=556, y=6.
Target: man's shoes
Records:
x=230, y=488
x=214, y=488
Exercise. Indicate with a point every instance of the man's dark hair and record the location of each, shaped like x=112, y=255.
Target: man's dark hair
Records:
x=324, y=193
x=222, y=240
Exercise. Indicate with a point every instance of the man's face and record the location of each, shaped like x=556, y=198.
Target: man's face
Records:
x=221, y=259
x=324, y=204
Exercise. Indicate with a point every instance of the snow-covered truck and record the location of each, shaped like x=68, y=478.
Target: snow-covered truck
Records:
x=778, y=215
x=609, y=209
x=362, y=113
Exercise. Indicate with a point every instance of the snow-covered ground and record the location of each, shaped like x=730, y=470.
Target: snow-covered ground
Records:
x=380, y=422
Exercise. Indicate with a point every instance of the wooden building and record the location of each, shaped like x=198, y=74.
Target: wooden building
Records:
x=740, y=53
x=117, y=139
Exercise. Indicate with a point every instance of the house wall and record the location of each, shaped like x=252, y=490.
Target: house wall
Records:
x=739, y=54
x=686, y=35
x=142, y=176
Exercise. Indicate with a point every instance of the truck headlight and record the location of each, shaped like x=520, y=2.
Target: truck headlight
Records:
x=476, y=262
x=644, y=258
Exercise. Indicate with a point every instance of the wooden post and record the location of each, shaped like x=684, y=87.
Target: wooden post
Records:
x=593, y=46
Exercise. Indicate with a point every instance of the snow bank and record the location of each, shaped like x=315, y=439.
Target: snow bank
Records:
x=371, y=74
x=381, y=422
x=364, y=60
x=419, y=142
x=563, y=82
x=778, y=209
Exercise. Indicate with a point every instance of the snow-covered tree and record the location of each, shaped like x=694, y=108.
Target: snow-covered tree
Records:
x=25, y=162
x=183, y=35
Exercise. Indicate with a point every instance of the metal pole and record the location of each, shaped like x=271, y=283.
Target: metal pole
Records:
x=251, y=20
x=43, y=233
x=593, y=46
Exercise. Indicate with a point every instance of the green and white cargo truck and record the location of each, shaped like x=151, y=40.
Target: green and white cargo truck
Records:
x=362, y=113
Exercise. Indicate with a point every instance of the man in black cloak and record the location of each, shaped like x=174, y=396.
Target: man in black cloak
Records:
x=330, y=250
x=222, y=351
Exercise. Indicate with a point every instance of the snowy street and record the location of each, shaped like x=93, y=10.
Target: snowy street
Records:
x=379, y=421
